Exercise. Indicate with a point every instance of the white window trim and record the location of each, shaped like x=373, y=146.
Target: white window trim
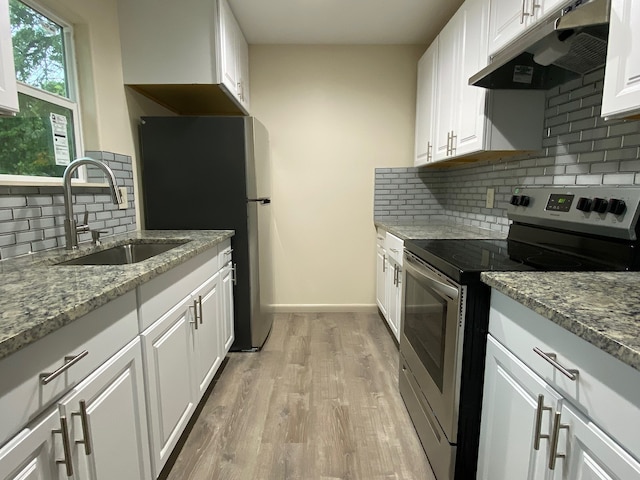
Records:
x=72, y=103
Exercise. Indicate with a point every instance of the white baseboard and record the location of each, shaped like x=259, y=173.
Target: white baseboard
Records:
x=324, y=308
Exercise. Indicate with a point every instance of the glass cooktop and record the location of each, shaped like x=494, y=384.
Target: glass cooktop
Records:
x=465, y=259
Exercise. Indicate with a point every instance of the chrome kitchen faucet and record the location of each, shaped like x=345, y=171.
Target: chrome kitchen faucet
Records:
x=70, y=226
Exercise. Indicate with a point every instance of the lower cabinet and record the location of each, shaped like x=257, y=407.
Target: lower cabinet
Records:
x=389, y=279
x=538, y=423
x=381, y=272
x=97, y=431
x=117, y=400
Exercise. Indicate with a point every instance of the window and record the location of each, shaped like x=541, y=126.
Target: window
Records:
x=44, y=137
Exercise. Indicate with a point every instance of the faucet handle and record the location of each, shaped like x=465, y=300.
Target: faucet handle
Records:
x=84, y=226
x=95, y=236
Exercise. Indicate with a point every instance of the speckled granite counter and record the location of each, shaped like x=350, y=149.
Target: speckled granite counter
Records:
x=601, y=308
x=38, y=297
x=437, y=230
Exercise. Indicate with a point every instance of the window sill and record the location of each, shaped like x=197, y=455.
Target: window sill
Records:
x=20, y=188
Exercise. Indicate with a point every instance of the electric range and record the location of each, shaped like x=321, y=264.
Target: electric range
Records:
x=445, y=307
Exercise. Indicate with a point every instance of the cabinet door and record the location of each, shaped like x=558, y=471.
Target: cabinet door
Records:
x=509, y=413
x=590, y=453
x=621, y=94
x=397, y=305
x=108, y=420
x=392, y=297
x=208, y=338
x=8, y=87
x=425, y=105
x=242, y=69
x=446, y=101
x=227, y=49
x=228, y=335
x=470, y=125
x=508, y=20
x=381, y=279
x=168, y=357
x=32, y=454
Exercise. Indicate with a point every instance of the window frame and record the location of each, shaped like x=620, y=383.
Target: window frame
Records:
x=72, y=103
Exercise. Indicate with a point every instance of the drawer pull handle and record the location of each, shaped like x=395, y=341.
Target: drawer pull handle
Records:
x=394, y=250
x=571, y=374
x=555, y=434
x=66, y=445
x=70, y=361
x=200, y=305
x=234, y=271
x=84, y=420
x=539, y=411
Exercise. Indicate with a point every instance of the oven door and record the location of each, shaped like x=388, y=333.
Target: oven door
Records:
x=431, y=340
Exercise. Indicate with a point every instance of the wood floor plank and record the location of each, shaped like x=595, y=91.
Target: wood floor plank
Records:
x=319, y=402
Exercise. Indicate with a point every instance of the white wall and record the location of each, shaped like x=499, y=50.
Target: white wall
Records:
x=334, y=113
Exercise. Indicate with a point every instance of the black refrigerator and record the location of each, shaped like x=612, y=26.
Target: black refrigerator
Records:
x=212, y=173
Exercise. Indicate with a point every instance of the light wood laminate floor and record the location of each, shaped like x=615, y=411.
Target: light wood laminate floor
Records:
x=319, y=402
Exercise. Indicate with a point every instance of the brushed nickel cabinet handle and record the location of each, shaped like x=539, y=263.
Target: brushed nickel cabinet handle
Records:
x=571, y=374
x=200, y=306
x=555, y=435
x=66, y=445
x=539, y=411
x=384, y=262
x=522, y=13
x=429, y=155
x=395, y=274
x=195, y=314
x=234, y=271
x=84, y=420
x=70, y=361
x=534, y=5
x=454, y=137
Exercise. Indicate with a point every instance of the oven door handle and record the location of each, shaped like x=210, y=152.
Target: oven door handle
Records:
x=442, y=288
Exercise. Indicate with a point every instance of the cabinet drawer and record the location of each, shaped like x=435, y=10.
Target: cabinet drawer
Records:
x=160, y=294
x=225, y=253
x=605, y=389
x=394, y=247
x=101, y=333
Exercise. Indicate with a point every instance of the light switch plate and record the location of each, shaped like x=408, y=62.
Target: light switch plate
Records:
x=490, y=197
x=125, y=199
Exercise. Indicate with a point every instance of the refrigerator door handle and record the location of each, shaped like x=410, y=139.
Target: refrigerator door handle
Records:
x=262, y=200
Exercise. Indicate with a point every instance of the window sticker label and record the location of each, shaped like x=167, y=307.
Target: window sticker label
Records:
x=60, y=140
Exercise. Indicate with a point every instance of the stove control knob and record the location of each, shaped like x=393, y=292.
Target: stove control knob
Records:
x=600, y=205
x=515, y=200
x=584, y=204
x=616, y=206
x=524, y=201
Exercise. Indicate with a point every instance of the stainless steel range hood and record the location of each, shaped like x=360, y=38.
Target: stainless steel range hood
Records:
x=567, y=45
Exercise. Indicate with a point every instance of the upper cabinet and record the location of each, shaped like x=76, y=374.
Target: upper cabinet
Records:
x=510, y=18
x=8, y=88
x=189, y=56
x=458, y=123
x=621, y=95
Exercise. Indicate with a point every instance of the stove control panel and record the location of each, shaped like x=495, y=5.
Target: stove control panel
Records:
x=599, y=210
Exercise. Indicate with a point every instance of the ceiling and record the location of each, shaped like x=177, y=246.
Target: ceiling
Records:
x=343, y=22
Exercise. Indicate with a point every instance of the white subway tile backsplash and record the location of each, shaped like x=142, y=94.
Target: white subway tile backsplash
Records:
x=581, y=148
x=31, y=218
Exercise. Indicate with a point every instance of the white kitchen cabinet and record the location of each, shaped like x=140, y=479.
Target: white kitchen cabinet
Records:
x=381, y=272
x=425, y=105
x=234, y=55
x=208, y=337
x=394, y=247
x=32, y=454
x=168, y=347
x=108, y=421
x=227, y=275
x=621, y=96
x=508, y=424
x=511, y=18
x=8, y=86
x=598, y=409
x=468, y=122
x=177, y=53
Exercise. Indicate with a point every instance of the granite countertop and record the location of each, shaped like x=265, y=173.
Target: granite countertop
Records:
x=437, y=230
x=602, y=308
x=38, y=297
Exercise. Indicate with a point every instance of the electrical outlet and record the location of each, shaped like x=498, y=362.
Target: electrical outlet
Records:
x=125, y=199
x=490, y=197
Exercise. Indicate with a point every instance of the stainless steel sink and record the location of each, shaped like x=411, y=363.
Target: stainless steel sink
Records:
x=123, y=254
